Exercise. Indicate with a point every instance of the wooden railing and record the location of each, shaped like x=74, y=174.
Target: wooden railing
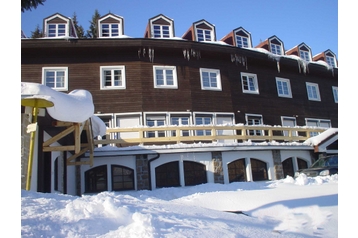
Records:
x=191, y=134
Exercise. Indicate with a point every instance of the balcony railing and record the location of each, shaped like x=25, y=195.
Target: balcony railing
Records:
x=217, y=133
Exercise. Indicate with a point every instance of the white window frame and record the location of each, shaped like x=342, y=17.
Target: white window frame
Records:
x=56, y=70
x=161, y=32
x=203, y=118
x=335, y=93
x=204, y=34
x=164, y=70
x=110, y=30
x=281, y=84
x=312, y=88
x=251, y=81
x=331, y=61
x=211, y=85
x=318, y=124
x=305, y=55
x=248, y=122
x=242, y=41
x=56, y=34
x=112, y=68
x=158, y=120
x=276, y=49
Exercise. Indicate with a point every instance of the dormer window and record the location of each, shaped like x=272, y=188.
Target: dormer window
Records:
x=330, y=59
x=58, y=25
x=160, y=27
x=276, y=46
x=305, y=53
x=204, y=31
x=242, y=38
x=110, y=25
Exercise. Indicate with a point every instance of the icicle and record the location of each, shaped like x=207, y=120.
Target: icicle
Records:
x=278, y=66
x=150, y=54
x=232, y=57
x=299, y=66
x=188, y=55
x=143, y=52
x=139, y=52
x=184, y=53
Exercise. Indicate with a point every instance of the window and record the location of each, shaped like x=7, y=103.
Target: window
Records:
x=55, y=30
x=242, y=41
x=167, y=175
x=210, y=79
x=276, y=49
x=335, y=93
x=317, y=123
x=122, y=178
x=155, y=121
x=283, y=87
x=55, y=78
x=113, y=77
x=194, y=173
x=109, y=30
x=165, y=77
x=313, y=92
x=96, y=179
x=330, y=61
x=161, y=31
x=180, y=121
x=253, y=120
x=237, y=171
x=305, y=55
x=259, y=170
x=203, y=120
x=249, y=83
x=203, y=35
x=304, y=52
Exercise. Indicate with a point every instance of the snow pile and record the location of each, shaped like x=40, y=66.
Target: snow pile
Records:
x=315, y=140
x=281, y=208
x=76, y=106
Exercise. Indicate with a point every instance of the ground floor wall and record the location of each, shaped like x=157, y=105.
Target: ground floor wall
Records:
x=157, y=170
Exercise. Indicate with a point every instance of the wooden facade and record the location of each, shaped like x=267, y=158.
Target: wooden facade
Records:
x=83, y=57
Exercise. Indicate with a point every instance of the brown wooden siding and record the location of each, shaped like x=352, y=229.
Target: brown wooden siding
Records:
x=84, y=58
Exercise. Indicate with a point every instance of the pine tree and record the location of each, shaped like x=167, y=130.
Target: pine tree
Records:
x=29, y=4
x=92, y=32
x=37, y=33
x=79, y=29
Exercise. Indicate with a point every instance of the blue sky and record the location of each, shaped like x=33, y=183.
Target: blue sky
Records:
x=314, y=22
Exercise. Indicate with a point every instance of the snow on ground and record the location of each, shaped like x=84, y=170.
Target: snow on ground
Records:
x=301, y=207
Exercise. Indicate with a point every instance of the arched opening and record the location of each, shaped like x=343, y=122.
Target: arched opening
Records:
x=96, y=179
x=194, y=173
x=237, y=171
x=302, y=164
x=259, y=170
x=287, y=166
x=167, y=175
x=122, y=178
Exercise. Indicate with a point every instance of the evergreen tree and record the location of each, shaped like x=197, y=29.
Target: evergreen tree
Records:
x=79, y=29
x=29, y=4
x=37, y=33
x=92, y=32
